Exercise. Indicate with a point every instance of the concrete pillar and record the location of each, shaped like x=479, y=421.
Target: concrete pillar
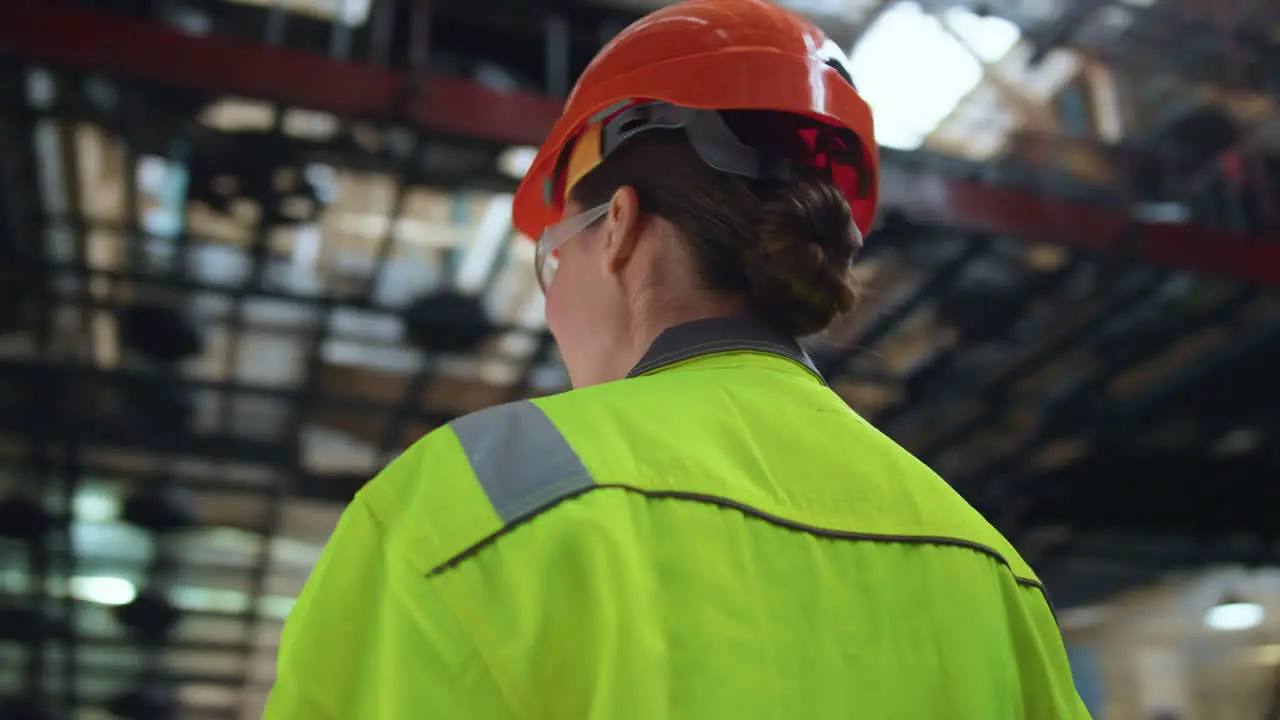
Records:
x=1087, y=674
x=1161, y=684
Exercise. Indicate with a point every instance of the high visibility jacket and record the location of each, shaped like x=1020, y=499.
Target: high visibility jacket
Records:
x=717, y=536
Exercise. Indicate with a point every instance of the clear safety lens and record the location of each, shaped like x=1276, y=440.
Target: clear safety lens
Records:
x=555, y=236
x=545, y=267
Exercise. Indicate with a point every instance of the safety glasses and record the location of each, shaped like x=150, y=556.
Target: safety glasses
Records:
x=555, y=236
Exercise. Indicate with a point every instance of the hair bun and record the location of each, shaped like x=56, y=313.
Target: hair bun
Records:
x=800, y=268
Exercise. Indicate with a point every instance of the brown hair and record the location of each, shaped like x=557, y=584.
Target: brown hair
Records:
x=787, y=246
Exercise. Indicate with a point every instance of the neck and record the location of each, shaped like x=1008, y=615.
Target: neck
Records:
x=648, y=323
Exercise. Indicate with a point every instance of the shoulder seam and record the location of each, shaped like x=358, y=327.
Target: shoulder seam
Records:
x=991, y=552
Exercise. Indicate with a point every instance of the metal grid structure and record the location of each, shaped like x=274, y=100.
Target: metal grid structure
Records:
x=248, y=255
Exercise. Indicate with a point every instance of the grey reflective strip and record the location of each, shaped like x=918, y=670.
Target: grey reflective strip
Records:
x=521, y=459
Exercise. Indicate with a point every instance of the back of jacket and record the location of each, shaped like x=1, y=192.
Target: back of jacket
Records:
x=722, y=538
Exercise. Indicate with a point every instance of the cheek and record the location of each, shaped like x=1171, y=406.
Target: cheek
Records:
x=563, y=302
x=556, y=305
x=573, y=302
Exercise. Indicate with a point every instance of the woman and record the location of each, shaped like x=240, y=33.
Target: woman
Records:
x=701, y=528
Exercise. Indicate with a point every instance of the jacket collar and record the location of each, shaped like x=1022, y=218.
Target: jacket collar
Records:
x=715, y=336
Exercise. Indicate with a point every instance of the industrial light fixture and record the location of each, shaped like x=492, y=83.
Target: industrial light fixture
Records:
x=515, y=161
x=352, y=13
x=103, y=590
x=95, y=504
x=1234, y=613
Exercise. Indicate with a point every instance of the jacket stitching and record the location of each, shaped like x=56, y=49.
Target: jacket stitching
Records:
x=991, y=552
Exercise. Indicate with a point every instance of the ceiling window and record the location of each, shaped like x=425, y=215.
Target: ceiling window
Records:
x=352, y=13
x=914, y=68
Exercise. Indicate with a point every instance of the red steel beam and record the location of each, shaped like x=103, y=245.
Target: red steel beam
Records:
x=93, y=41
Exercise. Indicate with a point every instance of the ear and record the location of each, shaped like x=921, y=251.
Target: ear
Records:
x=622, y=229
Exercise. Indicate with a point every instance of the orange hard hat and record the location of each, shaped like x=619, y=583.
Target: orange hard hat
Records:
x=709, y=55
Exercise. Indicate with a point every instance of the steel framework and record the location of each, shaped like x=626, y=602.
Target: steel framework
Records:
x=456, y=108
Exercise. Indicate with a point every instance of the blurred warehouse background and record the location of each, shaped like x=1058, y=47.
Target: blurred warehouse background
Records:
x=251, y=249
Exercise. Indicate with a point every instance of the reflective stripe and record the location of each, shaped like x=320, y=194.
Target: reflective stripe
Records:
x=522, y=461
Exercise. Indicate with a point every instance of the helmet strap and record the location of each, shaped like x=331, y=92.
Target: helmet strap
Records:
x=708, y=134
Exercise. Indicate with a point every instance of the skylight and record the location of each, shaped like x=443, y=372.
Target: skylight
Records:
x=352, y=13
x=913, y=71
